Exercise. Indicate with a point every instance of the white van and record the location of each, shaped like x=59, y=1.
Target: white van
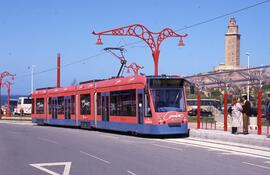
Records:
x=24, y=106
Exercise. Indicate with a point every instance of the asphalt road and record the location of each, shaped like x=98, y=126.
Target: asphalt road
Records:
x=27, y=149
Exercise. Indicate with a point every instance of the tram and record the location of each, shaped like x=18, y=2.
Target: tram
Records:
x=154, y=105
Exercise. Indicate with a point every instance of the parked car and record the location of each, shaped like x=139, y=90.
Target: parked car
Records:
x=253, y=112
x=203, y=113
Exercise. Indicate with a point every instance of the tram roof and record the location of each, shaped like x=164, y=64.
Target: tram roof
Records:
x=103, y=83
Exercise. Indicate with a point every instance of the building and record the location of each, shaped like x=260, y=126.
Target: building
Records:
x=232, y=48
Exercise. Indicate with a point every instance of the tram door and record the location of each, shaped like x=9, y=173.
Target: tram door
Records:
x=54, y=107
x=140, y=106
x=67, y=103
x=105, y=106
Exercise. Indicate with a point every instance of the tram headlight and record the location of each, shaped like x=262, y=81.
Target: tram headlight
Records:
x=161, y=120
x=185, y=120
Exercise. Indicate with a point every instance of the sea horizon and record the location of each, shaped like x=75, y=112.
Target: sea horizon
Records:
x=5, y=96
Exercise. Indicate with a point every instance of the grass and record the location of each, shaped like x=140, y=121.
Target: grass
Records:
x=203, y=119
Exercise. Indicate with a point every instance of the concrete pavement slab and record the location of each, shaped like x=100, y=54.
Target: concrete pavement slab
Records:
x=250, y=139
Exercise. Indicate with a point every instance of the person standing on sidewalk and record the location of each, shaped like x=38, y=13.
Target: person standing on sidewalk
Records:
x=236, y=115
x=246, y=114
x=268, y=112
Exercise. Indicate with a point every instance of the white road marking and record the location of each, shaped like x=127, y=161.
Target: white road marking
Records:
x=227, y=153
x=231, y=144
x=251, y=152
x=95, y=157
x=162, y=146
x=260, y=166
x=40, y=166
x=48, y=140
x=130, y=172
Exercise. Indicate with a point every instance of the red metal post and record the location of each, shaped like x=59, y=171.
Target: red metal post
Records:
x=259, y=119
x=58, y=70
x=2, y=76
x=7, y=84
x=198, y=111
x=143, y=33
x=0, y=98
x=8, y=103
x=225, y=111
x=155, y=55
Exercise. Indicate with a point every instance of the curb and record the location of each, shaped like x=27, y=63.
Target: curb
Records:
x=19, y=118
x=250, y=139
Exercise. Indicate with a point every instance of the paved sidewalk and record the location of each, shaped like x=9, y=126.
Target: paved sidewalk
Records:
x=216, y=135
x=17, y=118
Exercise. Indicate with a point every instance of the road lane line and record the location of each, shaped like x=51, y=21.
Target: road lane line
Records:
x=162, y=146
x=95, y=157
x=130, y=172
x=48, y=140
x=260, y=166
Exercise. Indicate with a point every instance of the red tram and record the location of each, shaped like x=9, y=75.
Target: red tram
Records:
x=154, y=105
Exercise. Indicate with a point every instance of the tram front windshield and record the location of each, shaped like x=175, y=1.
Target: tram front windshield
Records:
x=168, y=95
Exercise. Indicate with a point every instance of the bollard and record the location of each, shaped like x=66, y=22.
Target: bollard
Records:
x=259, y=119
x=198, y=111
x=225, y=111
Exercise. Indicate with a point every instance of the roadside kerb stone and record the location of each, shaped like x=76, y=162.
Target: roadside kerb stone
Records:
x=250, y=139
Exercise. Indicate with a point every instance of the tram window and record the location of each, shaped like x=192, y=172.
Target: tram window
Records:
x=123, y=103
x=50, y=105
x=85, y=104
x=72, y=105
x=40, y=105
x=99, y=107
x=60, y=106
x=147, y=107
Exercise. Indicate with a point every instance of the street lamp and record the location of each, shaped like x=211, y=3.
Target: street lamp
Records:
x=32, y=78
x=248, y=54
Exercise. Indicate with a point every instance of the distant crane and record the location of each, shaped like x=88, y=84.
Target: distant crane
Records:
x=143, y=33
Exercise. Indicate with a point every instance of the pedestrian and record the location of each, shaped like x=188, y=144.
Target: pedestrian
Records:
x=246, y=113
x=236, y=115
x=268, y=113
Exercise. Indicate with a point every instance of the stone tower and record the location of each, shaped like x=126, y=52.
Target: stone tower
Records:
x=232, y=45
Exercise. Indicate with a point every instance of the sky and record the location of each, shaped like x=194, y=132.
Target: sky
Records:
x=32, y=32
